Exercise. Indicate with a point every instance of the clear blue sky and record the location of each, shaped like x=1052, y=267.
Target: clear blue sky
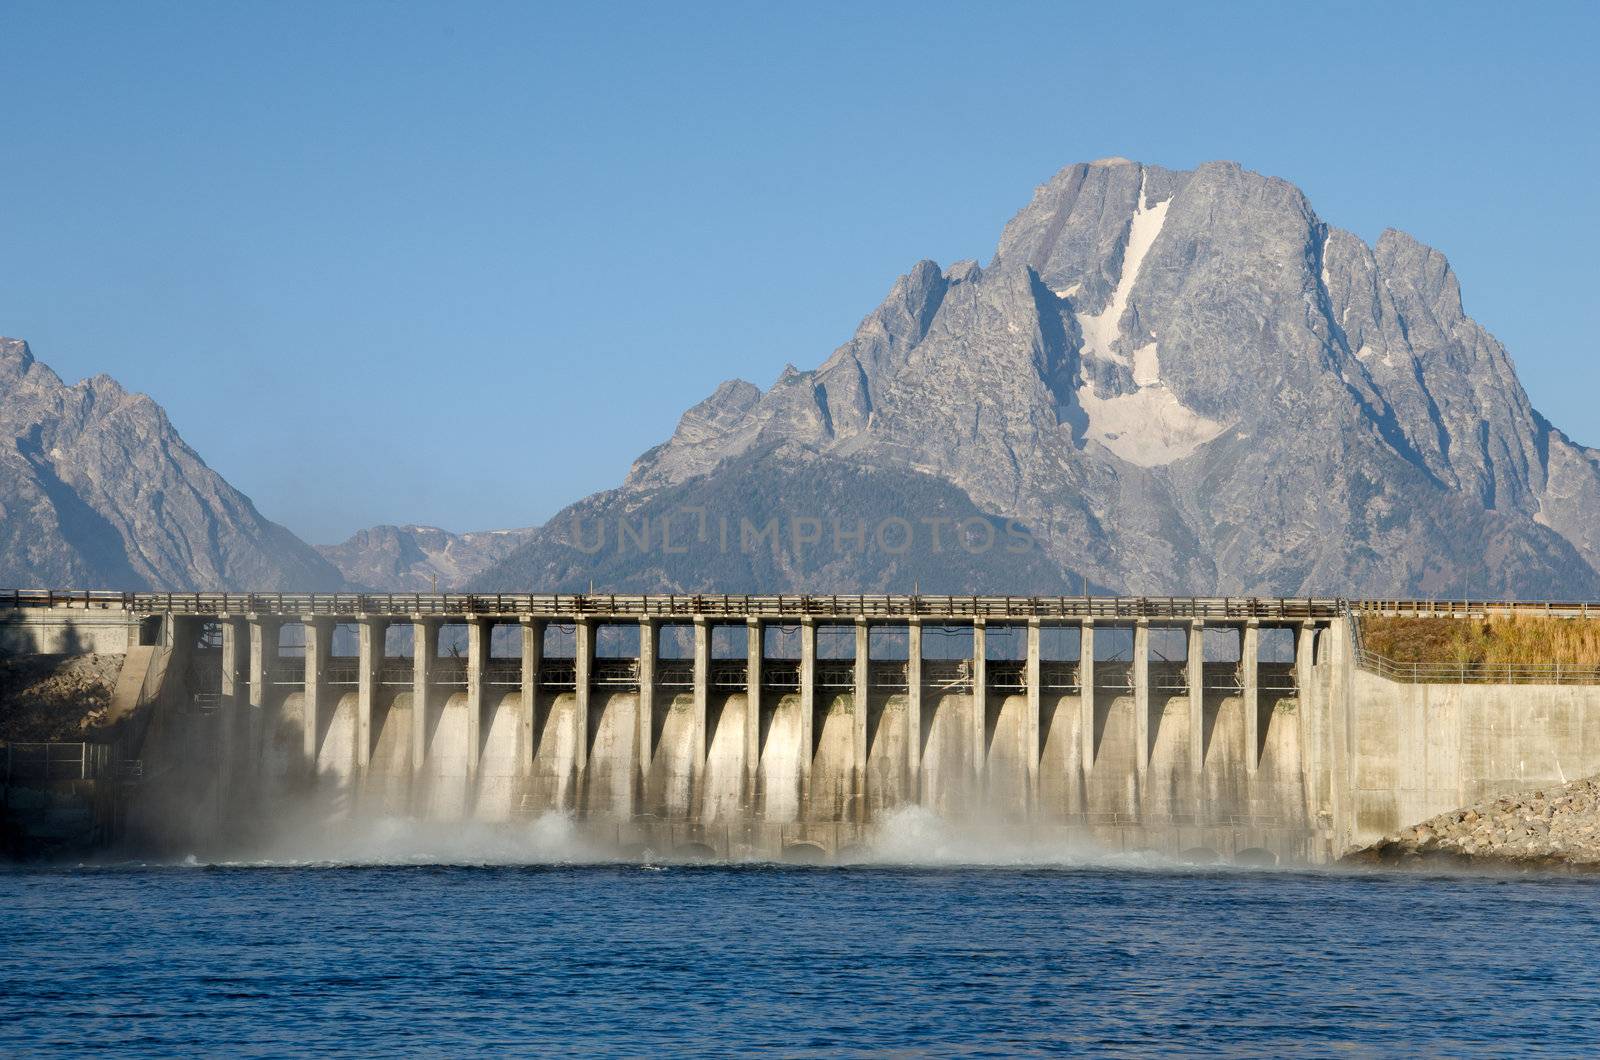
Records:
x=461, y=263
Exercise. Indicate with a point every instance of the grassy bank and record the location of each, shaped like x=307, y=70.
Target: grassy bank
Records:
x=1500, y=641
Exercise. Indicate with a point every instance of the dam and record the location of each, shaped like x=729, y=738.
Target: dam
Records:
x=780, y=726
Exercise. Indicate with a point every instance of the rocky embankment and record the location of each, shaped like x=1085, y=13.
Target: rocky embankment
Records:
x=47, y=698
x=1549, y=828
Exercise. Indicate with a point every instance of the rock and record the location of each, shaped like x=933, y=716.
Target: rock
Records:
x=1546, y=830
x=56, y=697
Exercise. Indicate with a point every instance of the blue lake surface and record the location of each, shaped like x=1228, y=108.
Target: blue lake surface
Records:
x=636, y=959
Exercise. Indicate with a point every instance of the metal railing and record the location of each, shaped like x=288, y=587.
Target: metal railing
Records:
x=1006, y=675
x=833, y=674
x=1059, y=676
x=1113, y=675
x=450, y=671
x=675, y=673
x=1169, y=677
x=1277, y=677
x=55, y=761
x=558, y=674
x=1473, y=673
x=616, y=673
x=537, y=605
x=953, y=675
x=789, y=606
x=1467, y=673
x=1474, y=608
x=781, y=674
x=503, y=673
x=893, y=674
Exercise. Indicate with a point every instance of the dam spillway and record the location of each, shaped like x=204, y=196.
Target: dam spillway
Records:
x=771, y=726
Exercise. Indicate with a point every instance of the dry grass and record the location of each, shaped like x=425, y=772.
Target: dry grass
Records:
x=1511, y=641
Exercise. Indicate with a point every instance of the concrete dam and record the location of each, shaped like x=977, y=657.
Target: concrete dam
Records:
x=790, y=726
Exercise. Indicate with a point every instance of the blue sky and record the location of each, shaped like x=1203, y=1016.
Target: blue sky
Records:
x=460, y=264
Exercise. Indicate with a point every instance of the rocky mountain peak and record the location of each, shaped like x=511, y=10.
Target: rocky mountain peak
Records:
x=1182, y=381
x=100, y=490
x=1163, y=382
x=15, y=357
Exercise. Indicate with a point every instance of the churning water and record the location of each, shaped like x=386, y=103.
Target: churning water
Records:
x=1036, y=951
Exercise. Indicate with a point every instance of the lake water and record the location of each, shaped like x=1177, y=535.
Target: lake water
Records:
x=1045, y=954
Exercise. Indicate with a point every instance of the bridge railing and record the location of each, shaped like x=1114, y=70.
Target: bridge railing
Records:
x=536, y=605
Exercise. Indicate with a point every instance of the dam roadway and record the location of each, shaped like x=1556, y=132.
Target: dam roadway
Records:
x=769, y=726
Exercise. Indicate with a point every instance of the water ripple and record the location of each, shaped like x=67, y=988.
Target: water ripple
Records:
x=728, y=959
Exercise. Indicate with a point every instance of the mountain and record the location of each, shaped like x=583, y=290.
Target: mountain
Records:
x=98, y=490
x=1163, y=382
x=419, y=558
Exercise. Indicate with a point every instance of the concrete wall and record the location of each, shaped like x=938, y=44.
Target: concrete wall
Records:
x=1418, y=750
x=67, y=631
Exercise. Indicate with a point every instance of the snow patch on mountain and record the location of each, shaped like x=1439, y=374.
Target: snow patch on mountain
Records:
x=1149, y=427
x=1101, y=330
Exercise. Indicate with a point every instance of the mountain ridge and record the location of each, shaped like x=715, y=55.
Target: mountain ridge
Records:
x=415, y=558
x=1163, y=382
x=1199, y=382
x=97, y=488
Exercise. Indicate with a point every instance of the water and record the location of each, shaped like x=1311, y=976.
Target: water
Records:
x=997, y=959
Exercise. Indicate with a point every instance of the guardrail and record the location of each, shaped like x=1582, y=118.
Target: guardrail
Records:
x=1475, y=608
x=1476, y=673
x=553, y=605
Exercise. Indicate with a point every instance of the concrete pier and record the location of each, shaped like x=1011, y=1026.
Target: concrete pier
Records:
x=916, y=729
x=317, y=704
x=369, y=679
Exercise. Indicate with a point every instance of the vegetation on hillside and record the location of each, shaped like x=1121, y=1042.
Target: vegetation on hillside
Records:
x=1500, y=641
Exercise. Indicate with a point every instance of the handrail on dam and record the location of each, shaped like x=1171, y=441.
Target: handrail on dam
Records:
x=1473, y=673
x=1475, y=608
x=784, y=605
x=689, y=605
